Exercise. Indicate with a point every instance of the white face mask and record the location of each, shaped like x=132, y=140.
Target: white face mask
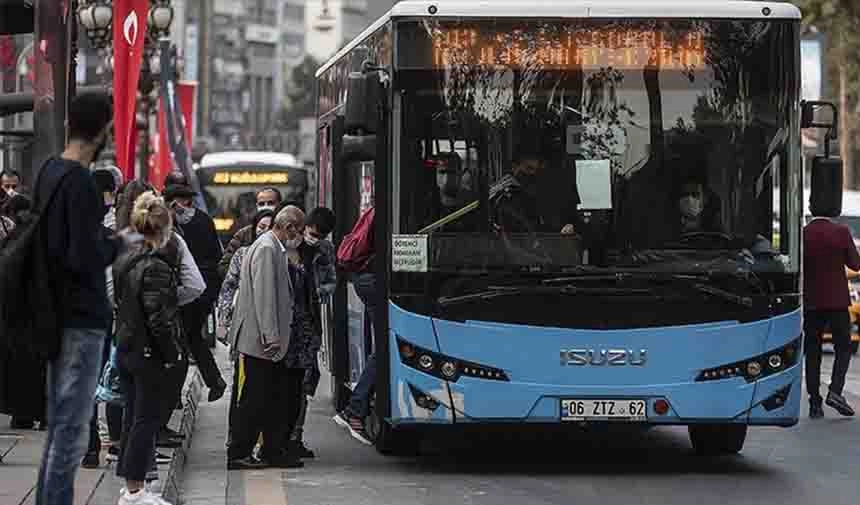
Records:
x=311, y=240
x=691, y=206
x=293, y=243
x=261, y=208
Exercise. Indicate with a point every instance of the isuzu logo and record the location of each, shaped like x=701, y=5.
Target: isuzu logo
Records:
x=603, y=357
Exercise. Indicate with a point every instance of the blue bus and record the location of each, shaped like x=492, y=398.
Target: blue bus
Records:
x=574, y=215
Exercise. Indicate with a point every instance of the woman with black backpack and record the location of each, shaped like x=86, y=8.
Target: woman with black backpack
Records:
x=148, y=342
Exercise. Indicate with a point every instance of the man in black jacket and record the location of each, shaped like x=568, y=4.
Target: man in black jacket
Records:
x=198, y=230
x=79, y=251
x=267, y=199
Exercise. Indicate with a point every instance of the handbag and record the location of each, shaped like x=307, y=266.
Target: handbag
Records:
x=109, y=389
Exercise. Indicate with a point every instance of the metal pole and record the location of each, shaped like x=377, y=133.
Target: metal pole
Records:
x=205, y=67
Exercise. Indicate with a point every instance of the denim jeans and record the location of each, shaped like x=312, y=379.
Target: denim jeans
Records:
x=359, y=402
x=71, y=385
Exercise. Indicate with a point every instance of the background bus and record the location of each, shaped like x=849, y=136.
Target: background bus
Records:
x=230, y=180
x=637, y=111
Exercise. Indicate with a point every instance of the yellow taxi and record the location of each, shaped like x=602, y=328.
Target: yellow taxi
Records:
x=853, y=310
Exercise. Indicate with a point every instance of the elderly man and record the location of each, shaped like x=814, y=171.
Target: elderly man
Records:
x=260, y=334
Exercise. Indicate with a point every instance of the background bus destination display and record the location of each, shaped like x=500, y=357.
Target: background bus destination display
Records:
x=239, y=177
x=559, y=48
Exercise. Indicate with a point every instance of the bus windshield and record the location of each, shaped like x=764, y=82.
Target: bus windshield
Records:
x=230, y=189
x=547, y=145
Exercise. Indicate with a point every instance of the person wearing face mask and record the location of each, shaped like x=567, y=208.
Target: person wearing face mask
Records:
x=198, y=230
x=515, y=197
x=318, y=259
x=697, y=209
x=230, y=287
x=227, y=298
x=450, y=194
x=10, y=181
x=106, y=184
x=263, y=335
x=267, y=199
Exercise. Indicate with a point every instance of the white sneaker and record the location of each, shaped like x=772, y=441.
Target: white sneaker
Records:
x=142, y=497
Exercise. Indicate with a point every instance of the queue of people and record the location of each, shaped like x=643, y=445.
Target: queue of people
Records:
x=137, y=272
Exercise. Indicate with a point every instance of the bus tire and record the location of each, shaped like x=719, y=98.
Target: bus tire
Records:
x=392, y=441
x=388, y=440
x=717, y=439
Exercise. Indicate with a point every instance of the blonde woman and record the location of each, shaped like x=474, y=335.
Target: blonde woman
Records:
x=147, y=342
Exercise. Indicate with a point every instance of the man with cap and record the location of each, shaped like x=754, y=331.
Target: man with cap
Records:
x=198, y=230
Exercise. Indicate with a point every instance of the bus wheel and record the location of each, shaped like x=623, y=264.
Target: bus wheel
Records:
x=717, y=439
x=388, y=440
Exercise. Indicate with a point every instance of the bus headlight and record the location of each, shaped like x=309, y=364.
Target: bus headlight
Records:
x=445, y=367
x=757, y=367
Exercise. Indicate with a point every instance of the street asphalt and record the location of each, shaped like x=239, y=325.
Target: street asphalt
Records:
x=814, y=462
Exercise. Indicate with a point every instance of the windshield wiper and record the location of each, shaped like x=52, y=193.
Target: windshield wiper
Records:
x=746, y=301
x=699, y=282
x=499, y=291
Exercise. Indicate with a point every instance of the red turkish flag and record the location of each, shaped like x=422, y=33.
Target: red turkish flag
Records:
x=129, y=35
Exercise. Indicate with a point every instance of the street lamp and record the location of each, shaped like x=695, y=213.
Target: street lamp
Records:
x=160, y=18
x=96, y=16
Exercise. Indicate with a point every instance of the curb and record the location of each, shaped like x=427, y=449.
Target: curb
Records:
x=175, y=473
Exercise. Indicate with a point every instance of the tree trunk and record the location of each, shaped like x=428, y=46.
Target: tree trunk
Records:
x=846, y=149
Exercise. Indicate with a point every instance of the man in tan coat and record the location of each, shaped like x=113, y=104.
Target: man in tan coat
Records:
x=260, y=334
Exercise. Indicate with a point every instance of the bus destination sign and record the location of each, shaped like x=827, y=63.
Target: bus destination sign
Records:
x=239, y=177
x=584, y=48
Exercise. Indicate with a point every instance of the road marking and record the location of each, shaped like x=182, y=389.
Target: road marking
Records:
x=264, y=487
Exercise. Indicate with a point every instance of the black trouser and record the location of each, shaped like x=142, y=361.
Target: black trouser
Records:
x=193, y=320
x=144, y=390
x=174, y=378
x=298, y=432
x=297, y=401
x=234, y=391
x=266, y=403
x=839, y=322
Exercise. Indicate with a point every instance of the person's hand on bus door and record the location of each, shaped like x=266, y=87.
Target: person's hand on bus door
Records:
x=568, y=229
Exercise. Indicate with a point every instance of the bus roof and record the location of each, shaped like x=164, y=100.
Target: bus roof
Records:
x=704, y=9
x=226, y=158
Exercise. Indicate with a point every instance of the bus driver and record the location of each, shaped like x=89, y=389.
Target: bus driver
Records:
x=515, y=198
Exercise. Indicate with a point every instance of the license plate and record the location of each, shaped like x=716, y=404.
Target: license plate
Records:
x=597, y=409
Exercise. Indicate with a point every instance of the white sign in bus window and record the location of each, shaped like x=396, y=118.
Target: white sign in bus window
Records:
x=594, y=184
x=409, y=253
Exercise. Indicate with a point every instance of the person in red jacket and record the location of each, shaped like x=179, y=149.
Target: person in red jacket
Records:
x=828, y=249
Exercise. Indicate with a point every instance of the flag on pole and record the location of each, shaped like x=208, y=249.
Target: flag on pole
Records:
x=129, y=35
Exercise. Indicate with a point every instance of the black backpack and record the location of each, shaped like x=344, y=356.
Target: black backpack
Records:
x=29, y=305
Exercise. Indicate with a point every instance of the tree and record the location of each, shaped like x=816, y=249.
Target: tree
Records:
x=300, y=94
x=840, y=21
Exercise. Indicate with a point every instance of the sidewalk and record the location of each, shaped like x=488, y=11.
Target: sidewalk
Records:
x=207, y=481
x=21, y=452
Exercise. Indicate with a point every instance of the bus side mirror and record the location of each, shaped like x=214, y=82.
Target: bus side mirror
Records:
x=359, y=148
x=812, y=115
x=364, y=92
x=825, y=195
